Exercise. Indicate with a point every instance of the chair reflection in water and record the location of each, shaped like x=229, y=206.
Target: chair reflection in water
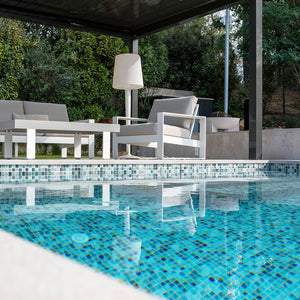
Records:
x=182, y=204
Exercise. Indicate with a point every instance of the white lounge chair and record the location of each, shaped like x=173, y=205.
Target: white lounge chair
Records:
x=171, y=121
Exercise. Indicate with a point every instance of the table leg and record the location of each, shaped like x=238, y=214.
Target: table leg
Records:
x=30, y=144
x=7, y=149
x=91, y=146
x=77, y=145
x=106, y=145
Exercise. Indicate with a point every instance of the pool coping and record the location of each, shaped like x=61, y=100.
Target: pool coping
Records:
x=96, y=161
x=32, y=272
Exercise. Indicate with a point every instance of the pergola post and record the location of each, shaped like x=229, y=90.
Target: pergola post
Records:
x=134, y=48
x=255, y=79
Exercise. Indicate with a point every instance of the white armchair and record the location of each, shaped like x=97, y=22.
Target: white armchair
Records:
x=171, y=121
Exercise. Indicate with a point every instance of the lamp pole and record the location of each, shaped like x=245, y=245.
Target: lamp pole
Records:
x=226, y=79
x=128, y=114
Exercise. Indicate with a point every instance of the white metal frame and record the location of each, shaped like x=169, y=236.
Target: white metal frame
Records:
x=158, y=140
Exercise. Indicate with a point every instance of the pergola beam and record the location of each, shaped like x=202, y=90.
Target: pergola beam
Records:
x=255, y=79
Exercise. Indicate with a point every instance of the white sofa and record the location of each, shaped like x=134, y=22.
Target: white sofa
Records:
x=47, y=123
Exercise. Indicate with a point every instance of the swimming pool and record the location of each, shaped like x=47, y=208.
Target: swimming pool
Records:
x=179, y=239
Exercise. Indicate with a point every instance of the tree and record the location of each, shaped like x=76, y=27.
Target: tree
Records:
x=13, y=41
x=281, y=42
x=196, y=58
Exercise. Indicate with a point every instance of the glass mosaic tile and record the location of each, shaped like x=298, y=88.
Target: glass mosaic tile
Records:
x=223, y=238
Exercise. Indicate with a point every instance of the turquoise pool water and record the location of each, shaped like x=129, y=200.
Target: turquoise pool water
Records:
x=192, y=239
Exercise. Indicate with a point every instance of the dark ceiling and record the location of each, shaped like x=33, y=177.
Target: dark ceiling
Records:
x=125, y=18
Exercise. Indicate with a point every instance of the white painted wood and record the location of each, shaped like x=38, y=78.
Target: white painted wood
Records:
x=7, y=149
x=106, y=145
x=77, y=145
x=30, y=144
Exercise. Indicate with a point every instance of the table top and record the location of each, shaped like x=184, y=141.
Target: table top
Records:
x=58, y=126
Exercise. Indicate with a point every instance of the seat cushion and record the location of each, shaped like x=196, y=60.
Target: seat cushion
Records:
x=152, y=129
x=30, y=117
x=55, y=112
x=8, y=107
x=182, y=105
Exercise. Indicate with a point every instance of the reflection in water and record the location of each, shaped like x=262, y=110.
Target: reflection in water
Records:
x=177, y=239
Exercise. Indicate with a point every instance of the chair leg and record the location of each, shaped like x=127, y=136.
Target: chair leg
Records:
x=160, y=149
x=160, y=136
x=7, y=146
x=91, y=146
x=16, y=150
x=115, y=146
x=202, y=137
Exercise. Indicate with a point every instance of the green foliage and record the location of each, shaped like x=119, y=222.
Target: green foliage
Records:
x=154, y=56
x=284, y=122
x=281, y=43
x=196, y=58
x=92, y=57
x=13, y=41
x=46, y=78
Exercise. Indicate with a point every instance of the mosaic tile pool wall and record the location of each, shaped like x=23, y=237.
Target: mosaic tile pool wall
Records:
x=25, y=173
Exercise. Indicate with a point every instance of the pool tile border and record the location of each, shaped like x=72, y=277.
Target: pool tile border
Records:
x=26, y=171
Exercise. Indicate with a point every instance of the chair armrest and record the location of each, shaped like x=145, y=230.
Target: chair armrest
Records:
x=182, y=116
x=84, y=121
x=118, y=118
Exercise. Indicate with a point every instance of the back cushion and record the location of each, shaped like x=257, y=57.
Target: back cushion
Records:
x=183, y=105
x=8, y=107
x=56, y=112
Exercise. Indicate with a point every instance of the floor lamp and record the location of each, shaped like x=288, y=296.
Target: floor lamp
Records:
x=128, y=76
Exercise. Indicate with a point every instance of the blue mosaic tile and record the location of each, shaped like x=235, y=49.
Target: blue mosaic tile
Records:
x=106, y=172
x=193, y=239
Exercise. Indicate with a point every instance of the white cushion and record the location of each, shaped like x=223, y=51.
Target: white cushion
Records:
x=30, y=117
x=182, y=105
x=55, y=112
x=152, y=129
x=18, y=116
x=8, y=107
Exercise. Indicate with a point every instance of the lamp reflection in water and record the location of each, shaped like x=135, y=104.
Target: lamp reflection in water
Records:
x=127, y=248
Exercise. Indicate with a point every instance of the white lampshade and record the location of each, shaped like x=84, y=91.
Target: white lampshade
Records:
x=128, y=72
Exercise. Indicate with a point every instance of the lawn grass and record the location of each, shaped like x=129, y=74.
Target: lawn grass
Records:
x=53, y=156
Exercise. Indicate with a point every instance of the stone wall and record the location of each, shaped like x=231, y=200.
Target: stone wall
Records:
x=277, y=144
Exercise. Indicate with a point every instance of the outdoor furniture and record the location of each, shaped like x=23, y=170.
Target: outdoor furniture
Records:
x=171, y=121
x=32, y=122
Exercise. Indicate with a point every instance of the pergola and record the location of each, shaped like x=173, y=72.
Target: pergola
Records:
x=133, y=19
